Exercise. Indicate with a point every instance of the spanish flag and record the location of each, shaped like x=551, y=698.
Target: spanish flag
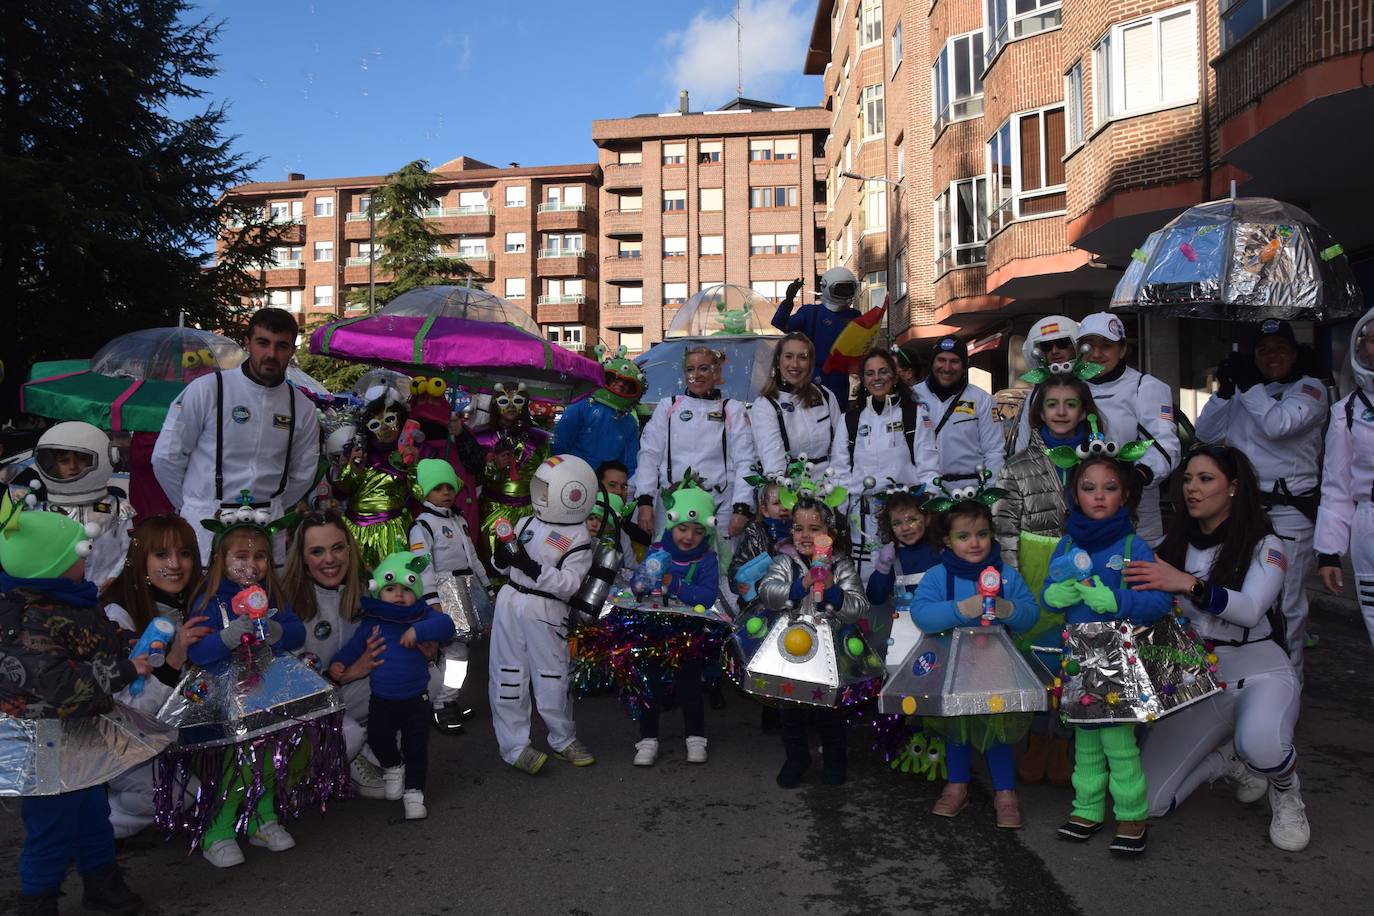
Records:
x=854, y=341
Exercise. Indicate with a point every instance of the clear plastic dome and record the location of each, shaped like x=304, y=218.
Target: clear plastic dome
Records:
x=167, y=354
x=722, y=309
x=465, y=302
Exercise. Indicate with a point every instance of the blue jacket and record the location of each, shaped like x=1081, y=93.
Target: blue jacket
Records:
x=1141, y=608
x=211, y=649
x=917, y=558
x=934, y=609
x=406, y=672
x=596, y=432
x=694, y=575
x=823, y=327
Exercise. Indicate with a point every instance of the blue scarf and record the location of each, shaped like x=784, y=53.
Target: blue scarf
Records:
x=963, y=569
x=61, y=591
x=1093, y=535
x=685, y=557
x=777, y=528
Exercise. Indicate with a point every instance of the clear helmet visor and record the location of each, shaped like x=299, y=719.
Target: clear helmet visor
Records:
x=66, y=463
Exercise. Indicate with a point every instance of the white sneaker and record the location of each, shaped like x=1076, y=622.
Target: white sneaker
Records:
x=1288, y=828
x=646, y=752
x=1250, y=786
x=274, y=836
x=367, y=778
x=223, y=854
x=394, y=778
x=414, y=801
x=696, y=749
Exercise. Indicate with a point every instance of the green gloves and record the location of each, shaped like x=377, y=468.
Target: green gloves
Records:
x=1097, y=596
x=1062, y=594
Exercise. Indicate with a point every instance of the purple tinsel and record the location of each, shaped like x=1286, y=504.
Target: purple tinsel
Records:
x=216, y=771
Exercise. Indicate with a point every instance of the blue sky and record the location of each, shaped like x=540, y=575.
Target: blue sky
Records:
x=342, y=87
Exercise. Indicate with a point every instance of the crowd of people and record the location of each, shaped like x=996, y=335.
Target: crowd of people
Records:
x=367, y=531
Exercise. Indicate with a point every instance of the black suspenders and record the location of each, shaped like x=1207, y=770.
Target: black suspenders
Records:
x=219, y=440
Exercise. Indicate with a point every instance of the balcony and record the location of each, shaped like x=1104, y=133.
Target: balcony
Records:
x=289, y=231
x=357, y=216
x=555, y=216
x=620, y=223
x=562, y=262
x=564, y=310
x=356, y=230
x=618, y=269
x=355, y=272
x=462, y=220
x=622, y=315
x=820, y=171
x=284, y=273
x=619, y=176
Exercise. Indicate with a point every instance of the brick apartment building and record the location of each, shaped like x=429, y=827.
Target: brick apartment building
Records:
x=691, y=199
x=529, y=234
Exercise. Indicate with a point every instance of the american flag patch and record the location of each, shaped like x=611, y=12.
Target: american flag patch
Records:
x=1276, y=558
x=559, y=542
x=1312, y=391
x=1166, y=411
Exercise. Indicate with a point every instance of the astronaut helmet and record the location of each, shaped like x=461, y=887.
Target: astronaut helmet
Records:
x=563, y=490
x=1049, y=328
x=1361, y=357
x=73, y=460
x=838, y=288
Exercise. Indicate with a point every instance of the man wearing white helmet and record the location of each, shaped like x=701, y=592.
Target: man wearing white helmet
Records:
x=546, y=557
x=1346, y=517
x=243, y=430
x=1051, y=345
x=822, y=322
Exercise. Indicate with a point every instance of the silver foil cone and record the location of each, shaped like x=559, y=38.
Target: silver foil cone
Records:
x=966, y=671
x=52, y=756
x=465, y=602
x=804, y=659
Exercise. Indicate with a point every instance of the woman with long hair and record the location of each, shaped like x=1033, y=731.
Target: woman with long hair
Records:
x=1225, y=566
x=793, y=416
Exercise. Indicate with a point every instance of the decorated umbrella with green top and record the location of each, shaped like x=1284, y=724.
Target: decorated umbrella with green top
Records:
x=131, y=381
x=469, y=335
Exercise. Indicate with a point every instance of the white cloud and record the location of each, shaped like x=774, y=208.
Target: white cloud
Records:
x=703, y=55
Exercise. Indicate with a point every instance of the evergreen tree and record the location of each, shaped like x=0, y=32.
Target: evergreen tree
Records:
x=407, y=239
x=112, y=204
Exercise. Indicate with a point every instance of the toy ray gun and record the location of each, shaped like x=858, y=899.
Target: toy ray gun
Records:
x=459, y=399
x=252, y=602
x=648, y=577
x=989, y=584
x=153, y=643
x=752, y=573
x=1076, y=564
x=820, y=565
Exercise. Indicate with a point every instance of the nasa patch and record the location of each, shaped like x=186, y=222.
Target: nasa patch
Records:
x=685, y=416
x=323, y=629
x=241, y=414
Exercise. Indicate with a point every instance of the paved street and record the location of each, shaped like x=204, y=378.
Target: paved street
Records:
x=723, y=838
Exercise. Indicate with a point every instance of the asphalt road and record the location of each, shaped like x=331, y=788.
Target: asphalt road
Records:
x=723, y=837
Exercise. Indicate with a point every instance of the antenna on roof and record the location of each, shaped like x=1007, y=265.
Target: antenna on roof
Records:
x=739, y=53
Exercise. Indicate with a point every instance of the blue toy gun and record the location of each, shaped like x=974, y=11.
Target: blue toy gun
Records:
x=1076, y=565
x=750, y=573
x=153, y=643
x=648, y=578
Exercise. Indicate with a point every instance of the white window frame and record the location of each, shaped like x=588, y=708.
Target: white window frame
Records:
x=674, y=153
x=710, y=151
x=872, y=105
x=874, y=282
x=761, y=243
x=897, y=46
x=521, y=192
x=870, y=23
x=717, y=242
x=629, y=249
x=325, y=302
x=1075, y=123
x=787, y=242
x=516, y=243
x=671, y=291
x=638, y=198
x=943, y=76
x=518, y=293
x=675, y=200
x=679, y=249
x=702, y=194
x=1013, y=203
x=323, y=206
x=325, y=248
x=630, y=157
x=636, y=299
x=946, y=214
x=633, y=341
x=875, y=207
x=1109, y=94
x=901, y=161
x=899, y=273
x=1014, y=26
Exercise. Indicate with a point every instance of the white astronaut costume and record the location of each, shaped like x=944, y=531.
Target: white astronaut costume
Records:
x=709, y=435
x=970, y=438
x=784, y=429
x=1278, y=425
x=528, y=643
x=884, y=451
x=1051, y=327
x=442, y=534
x=1345, y=520
x=325, y=635
x=1259, y=707
x=87, y=497
x=225, y=434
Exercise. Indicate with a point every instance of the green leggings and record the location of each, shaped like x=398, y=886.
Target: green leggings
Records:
x=222, y=824
x=1098, y=752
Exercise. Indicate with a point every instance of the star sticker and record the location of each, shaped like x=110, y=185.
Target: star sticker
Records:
x=817, y=694
x=787, y=687
x=760, y=683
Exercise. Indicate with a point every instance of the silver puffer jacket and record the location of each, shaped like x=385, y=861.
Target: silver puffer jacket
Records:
x=776, y=587
x=1035, y=499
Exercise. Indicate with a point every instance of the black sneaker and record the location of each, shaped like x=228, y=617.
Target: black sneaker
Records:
x=106, y=891
x=1078, y=833
x=448, y=719
x=1128, y=846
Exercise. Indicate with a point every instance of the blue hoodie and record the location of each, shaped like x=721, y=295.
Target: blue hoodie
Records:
x=911, y=559
x=596, y=433
x=1109, y=558
x=405, y=675
x=218, y=606
x=694, y=573
x=934, y=607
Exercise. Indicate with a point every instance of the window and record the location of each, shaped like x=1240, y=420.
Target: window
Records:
x=675, y=246
x=563, y=291
x=712, y=198
x=324, y=251
x=712, y=246
x=674, y=200
x=875, y=206
x=870, y=22
x=515, y=195
x=1009, y=20
x=846, y=240
x=632, y=295
x=633, y=341
x=899, y=274
x=574, y=196
x=961, y=224
x=366, y=252
x=574, y=288
x=773, y=197
x=1073, y=106
x=674, y=153
x=289, y=299
x=875, y=285
x=472, y=246
x=286, y=211
x=848, y=155
x=1241, y=17
x=515, y=287
x=788, y=242
x=773, y=289
x=563, y=245
x=901, y=162
x=1026, y=167
x=324, y=297
x=364, y=205
x=631, y=157
x=708, y=151
x=896, y=46
x=631, y=203
x=515, y=243
x=872, y=105
x=782, y=148
x=630, y=250
x=1146, y=64
x=760, y=149
x=674, y=293
x=761, y=244
x=324, y=206
x=957, y=80
x=287, y=256
x=565, y=334
x=475, y=201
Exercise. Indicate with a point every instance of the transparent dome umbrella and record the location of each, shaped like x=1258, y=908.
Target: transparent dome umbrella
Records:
x=1242, y=259
x=131, y=381
x=723, y=309
x=471, y=336
x=744, y=372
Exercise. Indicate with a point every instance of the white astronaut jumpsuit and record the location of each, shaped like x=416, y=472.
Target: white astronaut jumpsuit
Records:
x=1278, y=427
x=709, y=435
x=1345, y=520
x=215, y=444
x=785, y=429
x=528, y=642
x=442, y=535
x=325, y=635
x=967, y=435
x=886, y=450
x=1259, y=707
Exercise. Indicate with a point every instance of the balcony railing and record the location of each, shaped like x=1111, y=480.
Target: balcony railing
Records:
x=562, y=300
x=628, y=255
x=356, y=217
x=563, y=253
x=555, y=206
x=285, y=265
x=287, y=219
x=441, y=212
x=358, y=262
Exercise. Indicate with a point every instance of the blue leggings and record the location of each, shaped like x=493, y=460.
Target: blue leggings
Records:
x=58, y=828
x=959, y=759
